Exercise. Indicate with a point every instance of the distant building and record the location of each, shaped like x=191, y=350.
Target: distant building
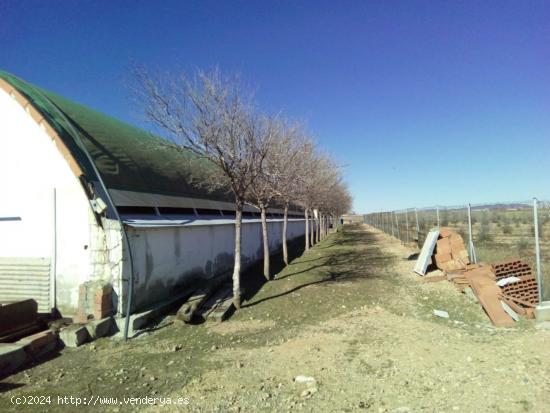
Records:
x=75, y=181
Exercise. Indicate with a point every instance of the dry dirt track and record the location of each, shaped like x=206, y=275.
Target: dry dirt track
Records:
x=349, y=313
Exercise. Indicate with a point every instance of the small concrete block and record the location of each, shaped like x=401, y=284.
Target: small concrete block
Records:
x=100, y=328
x=40, y=343
x=74, y=335
x=544, y=325
x=542, y=311
x=441, y=313
x=137, y=322
x=12, y=356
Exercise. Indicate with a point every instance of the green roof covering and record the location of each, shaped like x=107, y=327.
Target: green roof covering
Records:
x=127, y=158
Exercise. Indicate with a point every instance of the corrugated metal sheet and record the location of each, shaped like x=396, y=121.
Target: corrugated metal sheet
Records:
x=425, y=256
x=22, y=278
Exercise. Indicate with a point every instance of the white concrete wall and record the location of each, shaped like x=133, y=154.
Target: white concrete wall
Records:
x=30, y=168
x=167, y=258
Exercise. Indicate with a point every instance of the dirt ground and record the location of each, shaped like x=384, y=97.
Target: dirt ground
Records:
x=350, y=314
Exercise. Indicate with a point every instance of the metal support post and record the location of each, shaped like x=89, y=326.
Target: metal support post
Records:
x=471, y=236
x=417, y=226
x=537, y=247
x=407, y=225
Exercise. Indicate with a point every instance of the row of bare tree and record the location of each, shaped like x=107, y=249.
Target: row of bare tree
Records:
x=263, y=160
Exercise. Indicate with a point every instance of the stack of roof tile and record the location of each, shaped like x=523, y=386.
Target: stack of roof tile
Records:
x=450, y=252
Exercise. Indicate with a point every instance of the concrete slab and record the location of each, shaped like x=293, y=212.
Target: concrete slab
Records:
x=41, y=343
x=12, y=356
x=542, y=311
x=139, y=321
x=100, y=328
x=75, y=335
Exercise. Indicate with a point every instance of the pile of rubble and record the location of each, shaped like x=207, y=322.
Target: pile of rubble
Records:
x=505, y=290
x=27, y=335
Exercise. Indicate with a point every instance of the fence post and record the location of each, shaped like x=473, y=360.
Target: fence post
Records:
x=397, y=225
x=437, y=212
x=537, y=246
x=407, y=224
x=470, y=236
x=391, y=219
x=417, y=226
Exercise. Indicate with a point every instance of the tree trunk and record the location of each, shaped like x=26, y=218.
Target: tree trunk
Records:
x=285, y=225
x=318, y=228
x=237, y=264
x=311, y=235
x=266, y=243
x=307, y=228
x=322, y=235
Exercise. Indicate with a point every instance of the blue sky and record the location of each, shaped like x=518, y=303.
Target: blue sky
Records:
x=424, y=102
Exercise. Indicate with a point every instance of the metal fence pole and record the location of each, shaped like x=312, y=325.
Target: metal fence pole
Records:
x=437, y=212
x=471, y=236
x=537, y=246
x=417, y=226
x=407, y=225
x=397, y=225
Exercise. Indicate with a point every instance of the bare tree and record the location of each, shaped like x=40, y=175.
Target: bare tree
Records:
x=291, y=151
x=320, y=170
x=213, y=117
x=261, y=192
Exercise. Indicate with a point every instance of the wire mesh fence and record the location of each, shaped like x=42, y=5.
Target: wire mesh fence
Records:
x=491, y=232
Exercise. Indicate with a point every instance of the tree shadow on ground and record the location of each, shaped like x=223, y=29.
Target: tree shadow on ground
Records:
x=341, y=264
x=31, y=363
x=252, y=280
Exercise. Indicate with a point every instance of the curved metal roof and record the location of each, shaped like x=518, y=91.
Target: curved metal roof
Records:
x=128, y=158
